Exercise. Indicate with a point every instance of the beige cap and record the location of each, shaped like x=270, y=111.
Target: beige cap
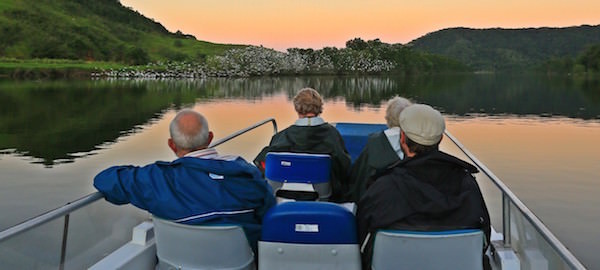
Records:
x=422, y=124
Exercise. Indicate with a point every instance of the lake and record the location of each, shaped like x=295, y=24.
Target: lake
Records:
x=538, y=134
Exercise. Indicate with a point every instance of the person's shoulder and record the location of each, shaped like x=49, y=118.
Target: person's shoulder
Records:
x=466, y=166
x=469, y=181
x=222, y=159
x=390, y=174
x=376, y=135
x=329, y=127
x=282, y=132
x=376, y=138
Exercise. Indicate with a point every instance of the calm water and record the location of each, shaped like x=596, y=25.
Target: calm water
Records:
x=538, y=134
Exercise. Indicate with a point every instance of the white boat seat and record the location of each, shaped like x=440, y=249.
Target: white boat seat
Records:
x=309, y=235
x=180, y=246
x=299, y=176
x=455, y=249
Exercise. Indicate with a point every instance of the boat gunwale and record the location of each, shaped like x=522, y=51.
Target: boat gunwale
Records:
x=558, y=246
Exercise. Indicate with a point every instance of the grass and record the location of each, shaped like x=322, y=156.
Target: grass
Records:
x=57, y=64
x=105, y=31
x=6, y=4
x=163, y=47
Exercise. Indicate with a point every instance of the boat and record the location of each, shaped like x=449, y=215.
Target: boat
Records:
x=90, y=233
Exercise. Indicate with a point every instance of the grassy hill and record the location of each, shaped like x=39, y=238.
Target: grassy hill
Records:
x=505, y=49
x=93, y=30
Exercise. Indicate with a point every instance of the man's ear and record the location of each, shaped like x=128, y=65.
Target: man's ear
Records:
x=172, y=145
x=403, y=145
x=402, y=137
x=210, y=138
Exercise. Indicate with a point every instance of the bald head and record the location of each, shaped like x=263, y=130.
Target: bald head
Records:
x=189, y=132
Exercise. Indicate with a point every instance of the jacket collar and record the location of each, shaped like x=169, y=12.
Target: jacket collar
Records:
x=310, y=121
x=393, y=136
x=435, y=156
x=207, y=153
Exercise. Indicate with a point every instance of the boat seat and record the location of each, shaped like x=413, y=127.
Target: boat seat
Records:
x=356, y=135
x=181, y=246
x=455, y=249
x=299, y=176
x=309, y=235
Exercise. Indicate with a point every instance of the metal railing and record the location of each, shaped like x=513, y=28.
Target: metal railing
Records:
x=242, y=131
x=509, y=197
x=67, y=209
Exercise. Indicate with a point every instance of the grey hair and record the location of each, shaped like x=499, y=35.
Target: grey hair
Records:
x=189, y=137
x=394, y=108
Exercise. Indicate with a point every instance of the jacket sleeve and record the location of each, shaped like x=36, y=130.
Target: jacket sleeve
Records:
x=268, y=202
x=341, y=163
x=357, y=184
x=129, y=184
x=374, y=208
x=277, y=141
x=259, y=160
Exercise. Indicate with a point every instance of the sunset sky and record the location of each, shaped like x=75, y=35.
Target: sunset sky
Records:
x=282, y=24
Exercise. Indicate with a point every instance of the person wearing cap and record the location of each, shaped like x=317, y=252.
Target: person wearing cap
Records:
x=311, y=134
x=382, y=150
x=429, y=190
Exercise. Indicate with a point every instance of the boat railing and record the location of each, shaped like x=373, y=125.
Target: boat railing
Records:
x=511, y=204
x=244, y=130
x=66, y=210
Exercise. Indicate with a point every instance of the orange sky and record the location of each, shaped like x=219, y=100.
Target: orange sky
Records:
x=282, y=24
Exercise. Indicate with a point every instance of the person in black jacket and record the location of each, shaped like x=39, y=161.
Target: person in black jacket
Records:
x=381, y=151
x=311, y=134
x=428, y=191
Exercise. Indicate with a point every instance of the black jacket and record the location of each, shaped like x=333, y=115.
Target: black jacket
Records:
x=320, y=139
x=429, y=192
x=377, y=155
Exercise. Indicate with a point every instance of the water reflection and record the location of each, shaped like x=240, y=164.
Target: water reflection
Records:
x=59, y=121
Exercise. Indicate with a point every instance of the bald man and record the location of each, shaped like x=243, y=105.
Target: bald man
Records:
x=199, y=187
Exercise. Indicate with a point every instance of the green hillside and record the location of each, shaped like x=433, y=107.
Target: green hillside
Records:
x=96, y=30
x=505, y=49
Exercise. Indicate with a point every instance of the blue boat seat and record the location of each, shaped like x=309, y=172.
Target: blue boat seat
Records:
x=299, y=176
x=455, y=249
x=355, y=136
x=309, y=235
x=181, y=246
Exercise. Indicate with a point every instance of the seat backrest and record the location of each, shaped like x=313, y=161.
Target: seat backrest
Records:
x=180, y=246
x=355, y=136
x=308, y=235
x=456, y=249
x=299, y=176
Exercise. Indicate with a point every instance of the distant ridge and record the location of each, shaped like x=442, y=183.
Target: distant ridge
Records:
x=503, y=49
x=92, y=30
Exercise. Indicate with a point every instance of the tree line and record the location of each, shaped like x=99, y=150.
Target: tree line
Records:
x=509, y=49
x=587, y=62
x=358, y=57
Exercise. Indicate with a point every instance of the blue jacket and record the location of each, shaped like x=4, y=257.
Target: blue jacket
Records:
x=193, y=190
